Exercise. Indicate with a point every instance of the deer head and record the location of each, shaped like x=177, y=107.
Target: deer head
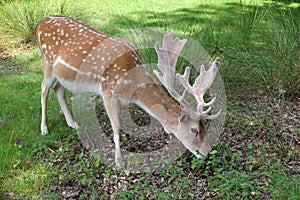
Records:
x=191, y=130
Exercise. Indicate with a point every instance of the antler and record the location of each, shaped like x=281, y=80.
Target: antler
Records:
x=167, y=58
x=200, y=86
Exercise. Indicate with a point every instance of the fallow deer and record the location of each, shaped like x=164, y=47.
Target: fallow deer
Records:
x=82, y=59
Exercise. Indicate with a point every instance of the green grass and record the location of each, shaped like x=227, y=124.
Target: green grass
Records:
x=258, y=43
x=29, y=183
x=20, y=17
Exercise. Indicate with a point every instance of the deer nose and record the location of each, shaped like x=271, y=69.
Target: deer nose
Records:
x=199, y=155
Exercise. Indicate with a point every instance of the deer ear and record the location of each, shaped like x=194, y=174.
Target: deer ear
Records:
x=184, y=118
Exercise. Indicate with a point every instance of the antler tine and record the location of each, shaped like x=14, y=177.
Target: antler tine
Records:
x=214, y=116
x=167, y=59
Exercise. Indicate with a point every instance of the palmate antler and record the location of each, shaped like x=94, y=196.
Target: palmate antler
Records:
x=167, y=59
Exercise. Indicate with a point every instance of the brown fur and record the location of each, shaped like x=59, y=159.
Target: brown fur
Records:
x=74, y=52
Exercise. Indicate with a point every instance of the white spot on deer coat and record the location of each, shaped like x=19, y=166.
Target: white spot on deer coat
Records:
x=126, y=81
x=142, y=85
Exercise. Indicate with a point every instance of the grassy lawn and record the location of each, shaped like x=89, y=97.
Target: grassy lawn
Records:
x=258, y=155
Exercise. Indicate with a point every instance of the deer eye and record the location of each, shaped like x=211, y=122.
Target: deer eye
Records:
x=194, y=131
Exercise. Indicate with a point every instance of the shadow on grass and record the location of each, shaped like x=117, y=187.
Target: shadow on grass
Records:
x=245, y=36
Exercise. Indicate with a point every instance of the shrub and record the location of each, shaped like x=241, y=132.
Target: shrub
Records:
x=19, y=17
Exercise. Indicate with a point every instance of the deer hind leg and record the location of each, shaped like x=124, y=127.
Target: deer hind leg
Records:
x=60, y=95
x=46, y=85
x=112, y=107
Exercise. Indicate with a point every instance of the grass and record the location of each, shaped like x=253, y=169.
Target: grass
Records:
x=26, y=14
x=258, y=43
x=259, y=39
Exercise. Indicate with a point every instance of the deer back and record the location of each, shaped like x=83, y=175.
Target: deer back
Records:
x=75, y=52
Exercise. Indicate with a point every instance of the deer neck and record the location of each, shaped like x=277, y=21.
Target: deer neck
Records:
x=158, y=104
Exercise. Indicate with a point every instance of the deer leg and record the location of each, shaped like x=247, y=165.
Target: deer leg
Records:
x=112, y=107
x=46, y=85
x=60, y=95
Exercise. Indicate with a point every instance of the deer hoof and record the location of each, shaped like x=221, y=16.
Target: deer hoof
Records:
x=45, y=130
x=74, y=125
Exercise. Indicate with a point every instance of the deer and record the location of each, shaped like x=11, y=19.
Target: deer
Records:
x=81, y=59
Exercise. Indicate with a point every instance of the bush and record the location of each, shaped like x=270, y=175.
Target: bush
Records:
x=264, y=52
x=284, y=54
x=19, y=17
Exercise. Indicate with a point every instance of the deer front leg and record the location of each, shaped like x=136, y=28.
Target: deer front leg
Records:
x=112, y=107
x=60, y=95
x=118, y=155
x=46, y=85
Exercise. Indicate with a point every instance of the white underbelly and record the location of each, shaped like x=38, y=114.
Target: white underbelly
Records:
x=81, y=88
